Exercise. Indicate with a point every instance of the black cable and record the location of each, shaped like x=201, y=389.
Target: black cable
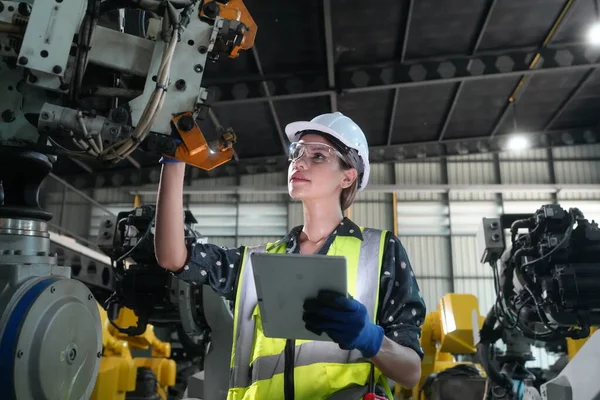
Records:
x=288, y=369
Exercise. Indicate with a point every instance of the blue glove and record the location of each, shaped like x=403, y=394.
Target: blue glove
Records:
x=166, y=160
x=345, y=320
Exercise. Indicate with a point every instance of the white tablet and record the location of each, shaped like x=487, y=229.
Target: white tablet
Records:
x=284, y=281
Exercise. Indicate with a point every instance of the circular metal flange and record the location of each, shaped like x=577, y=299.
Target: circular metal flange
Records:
x=55, y=341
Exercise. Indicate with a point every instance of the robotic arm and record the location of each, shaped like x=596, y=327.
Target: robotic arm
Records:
x=96, y=92
x=546, y=285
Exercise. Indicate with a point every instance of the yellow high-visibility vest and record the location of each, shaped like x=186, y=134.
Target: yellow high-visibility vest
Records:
x=321, y=368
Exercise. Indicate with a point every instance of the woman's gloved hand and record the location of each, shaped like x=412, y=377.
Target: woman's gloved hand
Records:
x=345, y=320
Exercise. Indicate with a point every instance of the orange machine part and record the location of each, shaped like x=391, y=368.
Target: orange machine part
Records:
x=235, y=10
x=195, y=150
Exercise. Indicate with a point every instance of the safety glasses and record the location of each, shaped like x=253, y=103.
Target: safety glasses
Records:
x=315, y=152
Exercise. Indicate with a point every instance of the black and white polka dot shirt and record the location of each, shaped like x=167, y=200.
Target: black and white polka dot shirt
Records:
x=401, y=307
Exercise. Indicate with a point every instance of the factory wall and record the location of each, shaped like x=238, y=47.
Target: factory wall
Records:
x=437, y=227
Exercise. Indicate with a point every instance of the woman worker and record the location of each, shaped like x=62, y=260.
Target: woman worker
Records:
x=375, y=330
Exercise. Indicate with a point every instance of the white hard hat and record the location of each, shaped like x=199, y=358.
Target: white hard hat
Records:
x=341, y=128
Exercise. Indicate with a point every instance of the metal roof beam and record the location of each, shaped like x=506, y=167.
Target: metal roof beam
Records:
x=412, y=152
x=387, y=76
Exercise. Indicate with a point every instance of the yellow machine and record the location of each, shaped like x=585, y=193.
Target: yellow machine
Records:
x=118, y=369
x=446, y=332
x=573, y=345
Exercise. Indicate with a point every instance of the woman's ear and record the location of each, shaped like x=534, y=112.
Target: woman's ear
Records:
x=350, y=176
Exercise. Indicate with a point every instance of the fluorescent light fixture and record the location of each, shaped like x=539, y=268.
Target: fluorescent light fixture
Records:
x=517, y=143
x=594, y=34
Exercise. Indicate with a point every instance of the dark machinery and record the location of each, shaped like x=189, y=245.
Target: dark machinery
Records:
x=159, y=298
x=94, y=80
x=546, y=285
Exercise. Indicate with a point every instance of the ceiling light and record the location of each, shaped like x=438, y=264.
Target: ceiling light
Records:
x=594, y=34
x=517, y=143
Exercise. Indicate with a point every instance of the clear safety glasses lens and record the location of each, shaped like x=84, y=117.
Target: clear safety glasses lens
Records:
x=314, y=152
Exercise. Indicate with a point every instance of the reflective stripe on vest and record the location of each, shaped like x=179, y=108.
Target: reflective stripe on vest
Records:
x=265, y=367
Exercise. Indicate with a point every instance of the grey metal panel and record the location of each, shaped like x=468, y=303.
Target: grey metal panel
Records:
x=535, y=154
x=471, y=173
x=417, y=173
x=215, y=219
x=465, y=216
x=470, y=157
x=587, y=151
x=209, y=184
x=423, y=218
x=428, y=255
x=432, y=289
x=466, y=260
x=512, y=172
x=577, y=171
x=262, y=180
x=471, y=196
x=374, y=214
x=112, y=195
x=381, y=174
x=540, y=198
x=295, y=216
x=266, y=219
x=576, y=195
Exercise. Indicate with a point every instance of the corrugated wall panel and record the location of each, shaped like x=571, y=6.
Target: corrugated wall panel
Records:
x=256, y=219
x=429, y=255
x=432, y=289
x=573, y=172
x=112, y=195
x=418, y=173
x=295, y=216
x=211, y=183
x=381, y=174
x=535, y=154
x=377, y=215
x=215, y=219
x=465, y=173
x=519, y=172
x=264, y=180
x=587, y=151
x=423, y=218
x=466, y=260
x=577, y=195
x=465, y=216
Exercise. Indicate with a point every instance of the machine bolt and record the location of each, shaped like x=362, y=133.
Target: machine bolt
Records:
x=45, y=115
x=33, y=78
x=494, y=225
x=180, y=84
x=57, y=69
x=24, y=9
x=23, y=60
x=202, y=49
x=90, y=297
x=186, y=123
x=211, y=9
x=64, y=86
x=41, y=253
x=198, y=68
x=495, y=237
x=8, y=115
x=52, y=289
x=99, y=354
x=72, y=355
x=1, y=6
x=20, y=353
x=108, y=223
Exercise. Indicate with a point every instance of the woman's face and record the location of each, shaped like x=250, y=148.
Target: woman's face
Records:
x=315, y=171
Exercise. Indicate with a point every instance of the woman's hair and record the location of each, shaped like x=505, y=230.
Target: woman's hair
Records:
x=350, y=160
x=348, y=194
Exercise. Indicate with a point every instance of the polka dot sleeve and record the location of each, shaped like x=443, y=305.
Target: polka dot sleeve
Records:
x=401, y=307
x=214, y=266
